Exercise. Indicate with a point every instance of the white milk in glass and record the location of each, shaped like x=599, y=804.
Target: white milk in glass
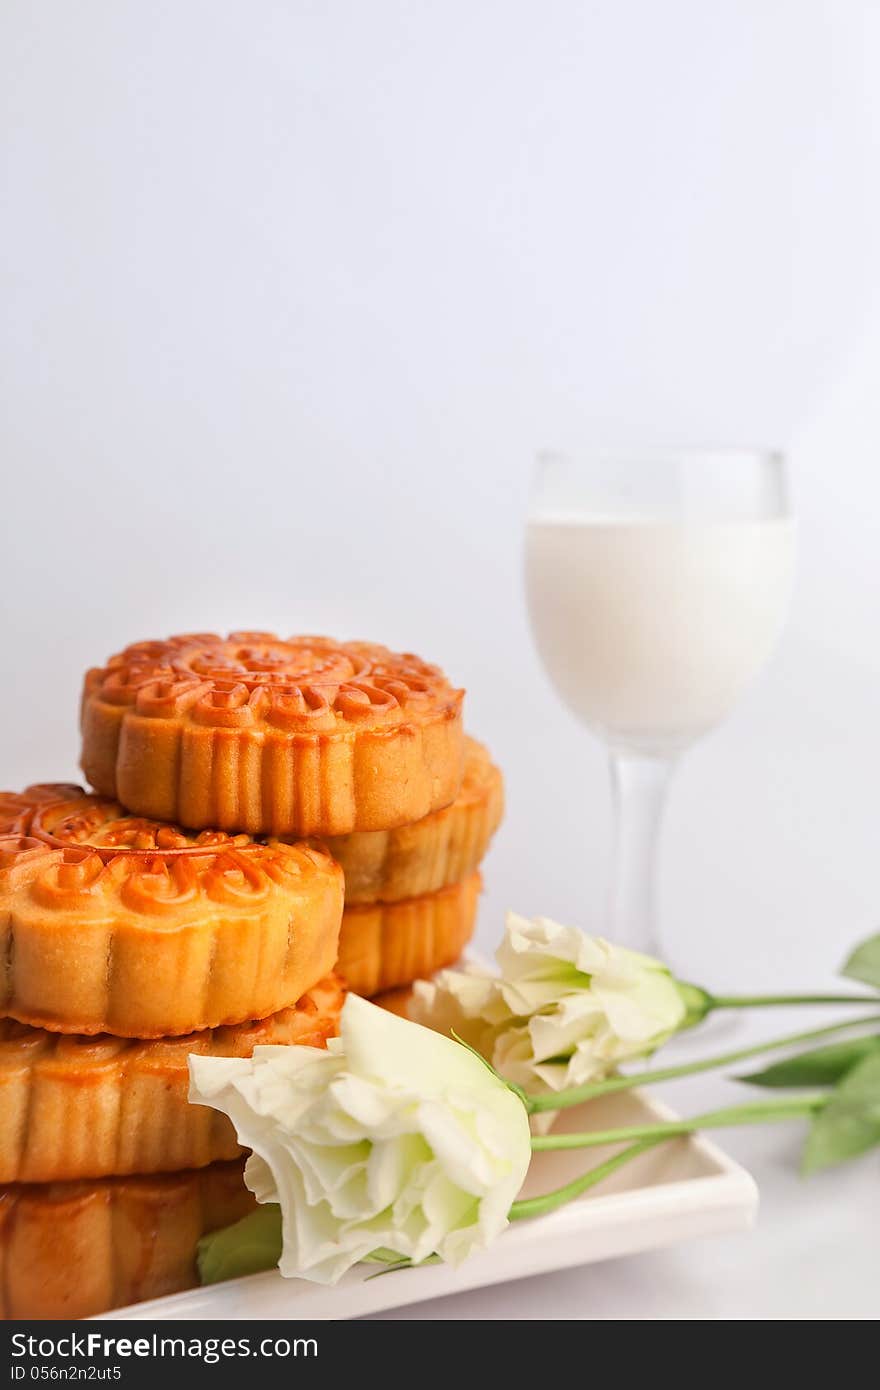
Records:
x=651, y=627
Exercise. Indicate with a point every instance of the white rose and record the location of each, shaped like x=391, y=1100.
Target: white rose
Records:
x=394, y=1138
x=565, y=1009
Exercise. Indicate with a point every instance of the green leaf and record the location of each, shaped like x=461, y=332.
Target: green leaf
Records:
x=393, y=1262
x=821, y=1066
x=849, y=1124
x=252, y=1244
x=864, y=963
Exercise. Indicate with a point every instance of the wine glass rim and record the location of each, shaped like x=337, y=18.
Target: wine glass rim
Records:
x=663, y=453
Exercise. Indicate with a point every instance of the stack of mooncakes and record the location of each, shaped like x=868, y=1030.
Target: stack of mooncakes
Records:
x=194, y=902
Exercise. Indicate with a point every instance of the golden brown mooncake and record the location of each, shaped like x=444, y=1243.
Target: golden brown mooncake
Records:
x=114, y=924
x=303, y=736
x=385, y=945
x=70, y=1250
x=434, y=852
x=76, y=1107
x=396, y=1001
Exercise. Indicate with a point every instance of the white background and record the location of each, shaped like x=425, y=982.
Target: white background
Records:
x=293, y=291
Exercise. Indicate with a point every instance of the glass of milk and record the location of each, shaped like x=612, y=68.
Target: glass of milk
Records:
x=658, y=583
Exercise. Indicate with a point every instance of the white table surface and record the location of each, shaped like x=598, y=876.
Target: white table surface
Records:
x=815, y=1252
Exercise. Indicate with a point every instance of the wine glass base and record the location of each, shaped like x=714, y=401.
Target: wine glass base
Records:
x=701, y=1039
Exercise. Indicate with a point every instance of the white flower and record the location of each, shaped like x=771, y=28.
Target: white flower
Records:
x=566, y=1008
x=394, y=1138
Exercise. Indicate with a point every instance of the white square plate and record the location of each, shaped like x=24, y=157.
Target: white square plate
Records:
x=682, y=1189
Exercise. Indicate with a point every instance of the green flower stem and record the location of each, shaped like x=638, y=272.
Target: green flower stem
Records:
x=576, y=1095
x=761, y=1112
x=761, y=1001
x=540, y=1206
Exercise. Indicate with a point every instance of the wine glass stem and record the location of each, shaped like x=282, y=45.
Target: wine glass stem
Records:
x=639, y=784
